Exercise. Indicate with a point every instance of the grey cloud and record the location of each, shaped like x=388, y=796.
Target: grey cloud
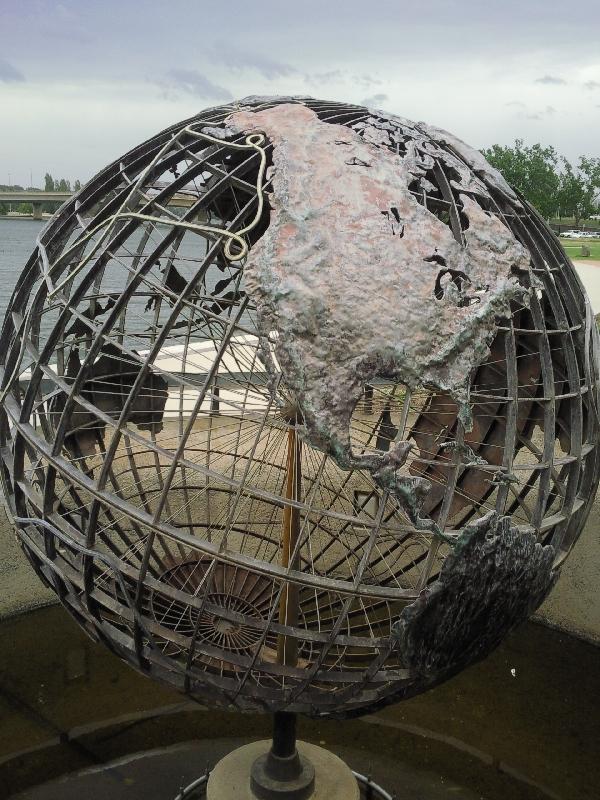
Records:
x=523, y=112
x=551, y=80
x=366, y=81
x=8, y=74
x=375, y=100
x=318, y=41
x=592, y=84
x=320, y=78
x=240, y=60
x=192, y=82
x=275, y=28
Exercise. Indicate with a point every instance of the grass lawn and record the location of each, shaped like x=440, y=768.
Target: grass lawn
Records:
x=573, y=248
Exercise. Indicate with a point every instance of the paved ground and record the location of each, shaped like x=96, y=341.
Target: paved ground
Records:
x=20, y=588
x=527, y=716
x=589, y=272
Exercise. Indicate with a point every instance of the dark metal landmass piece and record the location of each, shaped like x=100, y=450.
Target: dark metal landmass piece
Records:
x=493, y=579
x=490, y=582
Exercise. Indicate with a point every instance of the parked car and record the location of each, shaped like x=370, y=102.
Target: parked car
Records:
x=571, y=235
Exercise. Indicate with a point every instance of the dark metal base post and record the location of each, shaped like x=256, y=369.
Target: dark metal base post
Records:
x=282, y=773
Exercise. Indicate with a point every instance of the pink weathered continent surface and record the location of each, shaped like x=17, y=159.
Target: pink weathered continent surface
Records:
x=349, y=299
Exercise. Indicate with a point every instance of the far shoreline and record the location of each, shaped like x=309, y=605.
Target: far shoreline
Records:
x=28, y=217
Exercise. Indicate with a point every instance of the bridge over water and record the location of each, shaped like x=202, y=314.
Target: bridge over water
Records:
x=37, y=199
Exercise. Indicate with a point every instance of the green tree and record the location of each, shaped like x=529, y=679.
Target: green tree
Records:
x=48, y=182
x=533, y=170
x=77, y=185
x=579, y=187
x=62, y=185
x=5, y=187
x=590, y=167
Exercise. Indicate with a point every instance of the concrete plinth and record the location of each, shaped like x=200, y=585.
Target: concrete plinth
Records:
x=230, y=779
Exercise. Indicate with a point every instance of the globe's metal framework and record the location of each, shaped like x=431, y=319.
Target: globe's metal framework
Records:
x=158, y=467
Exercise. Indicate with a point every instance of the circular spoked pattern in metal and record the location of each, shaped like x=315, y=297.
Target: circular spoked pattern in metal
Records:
x=230, y=611
x=227, y=633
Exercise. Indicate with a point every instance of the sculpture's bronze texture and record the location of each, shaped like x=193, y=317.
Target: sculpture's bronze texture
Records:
x=299, y=407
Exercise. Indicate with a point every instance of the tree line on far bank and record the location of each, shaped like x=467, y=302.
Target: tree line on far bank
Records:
x=50, y=185
x=557, y=188
x=60, y=184
x=554, y=186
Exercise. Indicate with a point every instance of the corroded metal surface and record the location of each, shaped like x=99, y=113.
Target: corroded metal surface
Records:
x=242, y=437
x=494, y=578
x=350, y=298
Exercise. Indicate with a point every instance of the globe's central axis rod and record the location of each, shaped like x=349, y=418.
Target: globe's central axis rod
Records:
x=282, y=772
x=287, y=646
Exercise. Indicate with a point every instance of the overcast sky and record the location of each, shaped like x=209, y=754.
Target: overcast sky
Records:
x=83, y=81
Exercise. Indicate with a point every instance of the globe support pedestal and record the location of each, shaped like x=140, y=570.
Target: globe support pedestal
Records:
x=282, y=770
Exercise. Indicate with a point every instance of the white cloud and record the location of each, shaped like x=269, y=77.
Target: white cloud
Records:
x=241, y=60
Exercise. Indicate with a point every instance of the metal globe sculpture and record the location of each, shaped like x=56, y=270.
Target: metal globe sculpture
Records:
x=299, y=407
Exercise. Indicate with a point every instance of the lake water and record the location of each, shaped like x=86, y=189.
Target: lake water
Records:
x=17, y=240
